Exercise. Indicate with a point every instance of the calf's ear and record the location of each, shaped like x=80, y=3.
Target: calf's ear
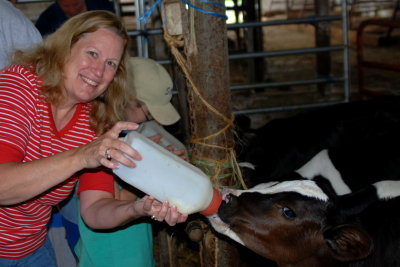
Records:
x=348, y=242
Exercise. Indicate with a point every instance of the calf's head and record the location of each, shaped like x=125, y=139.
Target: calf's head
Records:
x=289, y=222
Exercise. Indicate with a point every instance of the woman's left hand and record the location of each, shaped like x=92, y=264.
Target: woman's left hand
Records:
x=109, y=150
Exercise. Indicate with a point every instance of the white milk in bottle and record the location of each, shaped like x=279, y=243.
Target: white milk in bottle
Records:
x=167, y=177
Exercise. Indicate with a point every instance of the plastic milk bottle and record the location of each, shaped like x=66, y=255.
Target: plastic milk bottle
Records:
x=167, y=177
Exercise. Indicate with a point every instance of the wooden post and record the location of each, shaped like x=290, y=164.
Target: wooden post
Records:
x=200, y=49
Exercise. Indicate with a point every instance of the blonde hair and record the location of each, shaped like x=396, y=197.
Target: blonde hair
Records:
x=48, y=60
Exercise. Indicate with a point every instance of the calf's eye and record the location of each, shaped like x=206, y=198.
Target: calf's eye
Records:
x=287, y=212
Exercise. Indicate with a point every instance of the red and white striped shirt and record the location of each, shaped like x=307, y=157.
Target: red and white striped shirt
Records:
x=27, y=132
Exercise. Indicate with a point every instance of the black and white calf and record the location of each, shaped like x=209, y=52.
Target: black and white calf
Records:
x=356, y=165
x=284, y=145
x=304, y=223
x=335, y=195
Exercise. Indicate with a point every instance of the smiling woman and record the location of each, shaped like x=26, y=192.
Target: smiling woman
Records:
x=92, y=65
x=49, y=62
x=60, y=107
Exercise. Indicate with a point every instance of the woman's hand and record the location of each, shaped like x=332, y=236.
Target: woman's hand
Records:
x=108, y=150
x=100, y=210
x=159, y=211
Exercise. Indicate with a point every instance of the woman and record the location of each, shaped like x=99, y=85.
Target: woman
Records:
x=60, y=108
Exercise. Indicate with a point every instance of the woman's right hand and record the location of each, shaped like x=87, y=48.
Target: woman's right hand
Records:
x=159, y=211
x=100, y=210
x=108, y=150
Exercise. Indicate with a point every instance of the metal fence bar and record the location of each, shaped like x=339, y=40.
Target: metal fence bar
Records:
x=346, y=58
x=288, y=52
x=283, y=84
x=311, y=19
x=251, y=24
x=286, y=108
x=141, y=41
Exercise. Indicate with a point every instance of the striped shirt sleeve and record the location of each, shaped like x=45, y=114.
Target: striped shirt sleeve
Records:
x=16, y=107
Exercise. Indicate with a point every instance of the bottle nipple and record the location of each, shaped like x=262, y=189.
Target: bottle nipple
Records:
x=214, y=204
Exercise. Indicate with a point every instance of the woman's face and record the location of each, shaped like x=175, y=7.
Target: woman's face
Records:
x=92, y=65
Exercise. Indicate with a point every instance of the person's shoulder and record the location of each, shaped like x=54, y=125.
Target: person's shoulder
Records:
x=22, y=81
x=7, y=9
x=11, y=14
x=17, y=68
x=52, y=11
x=15, y=21
x=100, y=5
x=21, y=72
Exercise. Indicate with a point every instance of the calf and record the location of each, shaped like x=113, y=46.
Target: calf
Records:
x=284, y=145
x=336, y=210
x=304, y=223
x=337, y=175
x=358, y=164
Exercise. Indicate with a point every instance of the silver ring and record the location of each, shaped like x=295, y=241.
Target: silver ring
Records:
x=153, y=217
x=107, y=153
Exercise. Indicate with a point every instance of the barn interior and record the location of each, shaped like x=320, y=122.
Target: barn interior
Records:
x=283, y=57
x=273, y=52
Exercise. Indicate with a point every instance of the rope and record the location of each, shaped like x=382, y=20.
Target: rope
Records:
x=174, y=43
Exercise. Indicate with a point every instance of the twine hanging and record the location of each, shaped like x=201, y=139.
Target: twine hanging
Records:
x=174, y=43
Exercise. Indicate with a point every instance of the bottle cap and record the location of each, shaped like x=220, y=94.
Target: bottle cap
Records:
x=214, y=204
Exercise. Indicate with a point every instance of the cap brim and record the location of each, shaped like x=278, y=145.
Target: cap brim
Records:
x=166, y=114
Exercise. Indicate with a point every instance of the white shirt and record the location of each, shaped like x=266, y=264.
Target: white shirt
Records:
x=16, y=32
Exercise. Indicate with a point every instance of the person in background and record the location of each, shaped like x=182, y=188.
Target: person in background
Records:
x=17, y=32
x=61, y=10
x=132, y=244
x=152, y=87
x=60, y=121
